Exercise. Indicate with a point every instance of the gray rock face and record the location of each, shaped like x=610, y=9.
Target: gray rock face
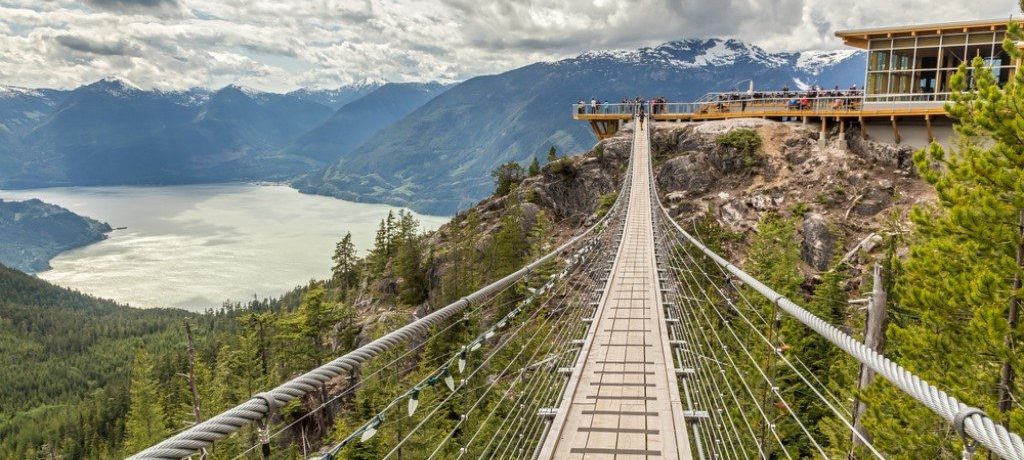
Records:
x=797, y=149
x=692, y=172
x=819, y=243
x=874, y=201
x=898, y=156
x=702, y=161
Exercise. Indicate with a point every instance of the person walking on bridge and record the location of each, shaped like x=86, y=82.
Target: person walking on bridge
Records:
x=640, y=118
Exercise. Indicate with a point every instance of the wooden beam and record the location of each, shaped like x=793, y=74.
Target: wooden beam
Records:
x=895, y=130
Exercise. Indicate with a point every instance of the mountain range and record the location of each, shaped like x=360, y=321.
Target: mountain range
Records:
x=438, y=159
x=427, y=146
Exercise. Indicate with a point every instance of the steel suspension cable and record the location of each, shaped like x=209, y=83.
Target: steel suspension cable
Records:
x=682, y=330
x=693, y=301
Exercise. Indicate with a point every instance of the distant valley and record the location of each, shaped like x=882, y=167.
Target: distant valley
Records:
x=427, y=146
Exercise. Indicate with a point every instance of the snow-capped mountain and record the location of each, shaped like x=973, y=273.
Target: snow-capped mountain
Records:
x=21, y=109
x=489, y=120
x=729, y=56
x=338, y=97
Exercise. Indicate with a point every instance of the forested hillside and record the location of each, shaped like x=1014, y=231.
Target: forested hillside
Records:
x=33, y=232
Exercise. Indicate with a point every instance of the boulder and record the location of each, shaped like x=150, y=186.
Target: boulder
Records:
x=874, y=201
x=734, y=213
x=819, y=243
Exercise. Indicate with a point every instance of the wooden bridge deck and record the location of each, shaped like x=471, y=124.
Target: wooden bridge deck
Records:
x=622, y=401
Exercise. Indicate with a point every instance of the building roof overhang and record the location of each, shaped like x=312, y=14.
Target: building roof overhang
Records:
x=859, y=38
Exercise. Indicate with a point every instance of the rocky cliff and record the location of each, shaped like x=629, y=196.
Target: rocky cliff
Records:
x=847, y=197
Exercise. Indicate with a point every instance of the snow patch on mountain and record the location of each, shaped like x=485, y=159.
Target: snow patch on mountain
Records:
x=15, y=91
x=716, y=52
x=813, y=62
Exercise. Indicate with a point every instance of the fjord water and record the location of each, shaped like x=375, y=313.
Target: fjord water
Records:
x=195, y=246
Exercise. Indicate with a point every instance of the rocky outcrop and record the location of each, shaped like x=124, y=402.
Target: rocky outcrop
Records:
x=839, y=195
x=884, y=154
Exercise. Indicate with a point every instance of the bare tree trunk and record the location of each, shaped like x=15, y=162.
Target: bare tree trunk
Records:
x=874, y=338
x=196, y=403
x=1007, y=376
x=263, y=347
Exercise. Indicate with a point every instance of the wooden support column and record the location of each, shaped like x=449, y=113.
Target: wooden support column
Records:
x=863, y=128
x=823, y=134
x=895, y=130
x=928, y=125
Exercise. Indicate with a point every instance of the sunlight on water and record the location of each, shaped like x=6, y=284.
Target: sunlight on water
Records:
x=196, y=246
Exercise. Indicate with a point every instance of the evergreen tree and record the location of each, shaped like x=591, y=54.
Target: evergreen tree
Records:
x=552, y=155
x=309, y=332
x=408, y=267
x=506, y=177
x=961, y=282
x=345, y=263
x=146, y=422
x=383, y=245
x=534, y=166
x=774, y=258
x=510, y=245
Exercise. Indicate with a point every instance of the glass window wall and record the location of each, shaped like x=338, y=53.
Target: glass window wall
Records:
x=925, y=64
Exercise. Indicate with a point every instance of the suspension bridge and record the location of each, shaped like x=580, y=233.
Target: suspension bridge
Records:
x=634, y=341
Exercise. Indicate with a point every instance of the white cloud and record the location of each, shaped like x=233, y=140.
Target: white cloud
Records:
x=280, y=45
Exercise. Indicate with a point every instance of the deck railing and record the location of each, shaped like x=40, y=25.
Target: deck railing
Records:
x=770, y=102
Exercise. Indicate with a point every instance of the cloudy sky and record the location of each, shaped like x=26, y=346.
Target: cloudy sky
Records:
x=283, y=44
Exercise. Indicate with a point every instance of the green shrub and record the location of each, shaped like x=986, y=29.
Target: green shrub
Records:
x=800, y=208
x=606, y=202
x=561, y=166
x=746, y=140
x=599, y=151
